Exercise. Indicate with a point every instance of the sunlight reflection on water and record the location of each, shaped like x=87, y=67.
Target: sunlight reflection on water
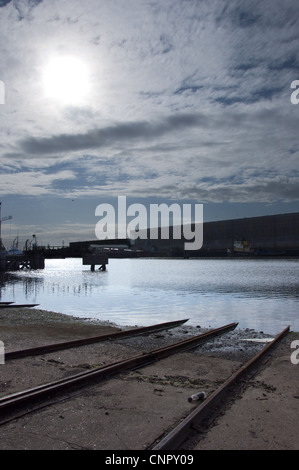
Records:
x=259, y=294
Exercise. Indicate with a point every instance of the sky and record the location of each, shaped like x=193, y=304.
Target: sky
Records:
x=161, y=101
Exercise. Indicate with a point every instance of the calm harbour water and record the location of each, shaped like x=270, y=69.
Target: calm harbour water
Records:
x=258, y=293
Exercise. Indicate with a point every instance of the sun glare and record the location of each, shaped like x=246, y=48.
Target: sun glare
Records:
x=66, y=80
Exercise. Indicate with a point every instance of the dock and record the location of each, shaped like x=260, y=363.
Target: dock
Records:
x=36, y=260
x=94, y=259
x=26, y=260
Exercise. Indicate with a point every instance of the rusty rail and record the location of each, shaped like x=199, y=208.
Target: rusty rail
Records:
x=181, y=432
x=90, y=340
x=11, y=305
x=48, y=390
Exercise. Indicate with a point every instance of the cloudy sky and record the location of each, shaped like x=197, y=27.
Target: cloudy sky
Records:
x=184, y=101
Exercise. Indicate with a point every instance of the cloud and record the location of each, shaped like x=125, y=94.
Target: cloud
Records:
x=253, y=190
x=170, y=157
x=187, y=100
x=22, y=7
x=97, y=138
x=4, y=2
x=32, y=183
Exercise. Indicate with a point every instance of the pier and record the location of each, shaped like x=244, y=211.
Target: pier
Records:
x=94, y=259
x=35, y=259
x=25, y=260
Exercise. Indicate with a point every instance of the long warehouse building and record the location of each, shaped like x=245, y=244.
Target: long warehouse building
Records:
x=277, y=234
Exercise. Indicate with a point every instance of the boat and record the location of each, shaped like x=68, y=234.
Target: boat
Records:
x=243, y=247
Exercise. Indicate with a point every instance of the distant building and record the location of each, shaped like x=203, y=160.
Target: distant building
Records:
x=277, y=234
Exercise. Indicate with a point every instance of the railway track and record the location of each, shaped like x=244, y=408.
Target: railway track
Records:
x=48, y=348
x=191, y=423
x=48, y=390
x=13, y=305
x=40, y=396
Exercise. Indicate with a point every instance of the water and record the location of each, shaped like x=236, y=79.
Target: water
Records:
x=256, y=293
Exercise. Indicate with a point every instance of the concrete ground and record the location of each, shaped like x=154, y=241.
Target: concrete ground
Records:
x=265, y=415
x=132, y=410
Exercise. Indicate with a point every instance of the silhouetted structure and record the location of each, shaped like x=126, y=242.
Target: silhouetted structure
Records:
x=265, y=235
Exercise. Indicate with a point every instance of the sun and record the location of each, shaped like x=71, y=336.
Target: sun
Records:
x=66, y=80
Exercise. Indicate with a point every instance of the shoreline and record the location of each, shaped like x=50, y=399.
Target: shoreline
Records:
x=240, y=344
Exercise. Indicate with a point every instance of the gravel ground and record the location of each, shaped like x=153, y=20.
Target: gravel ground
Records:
x=239, y=344
x=129, y=411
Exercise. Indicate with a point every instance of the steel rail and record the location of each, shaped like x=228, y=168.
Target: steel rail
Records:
x=17, y=305
x=48, y=348
x=49, y=389
x=180, y=433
